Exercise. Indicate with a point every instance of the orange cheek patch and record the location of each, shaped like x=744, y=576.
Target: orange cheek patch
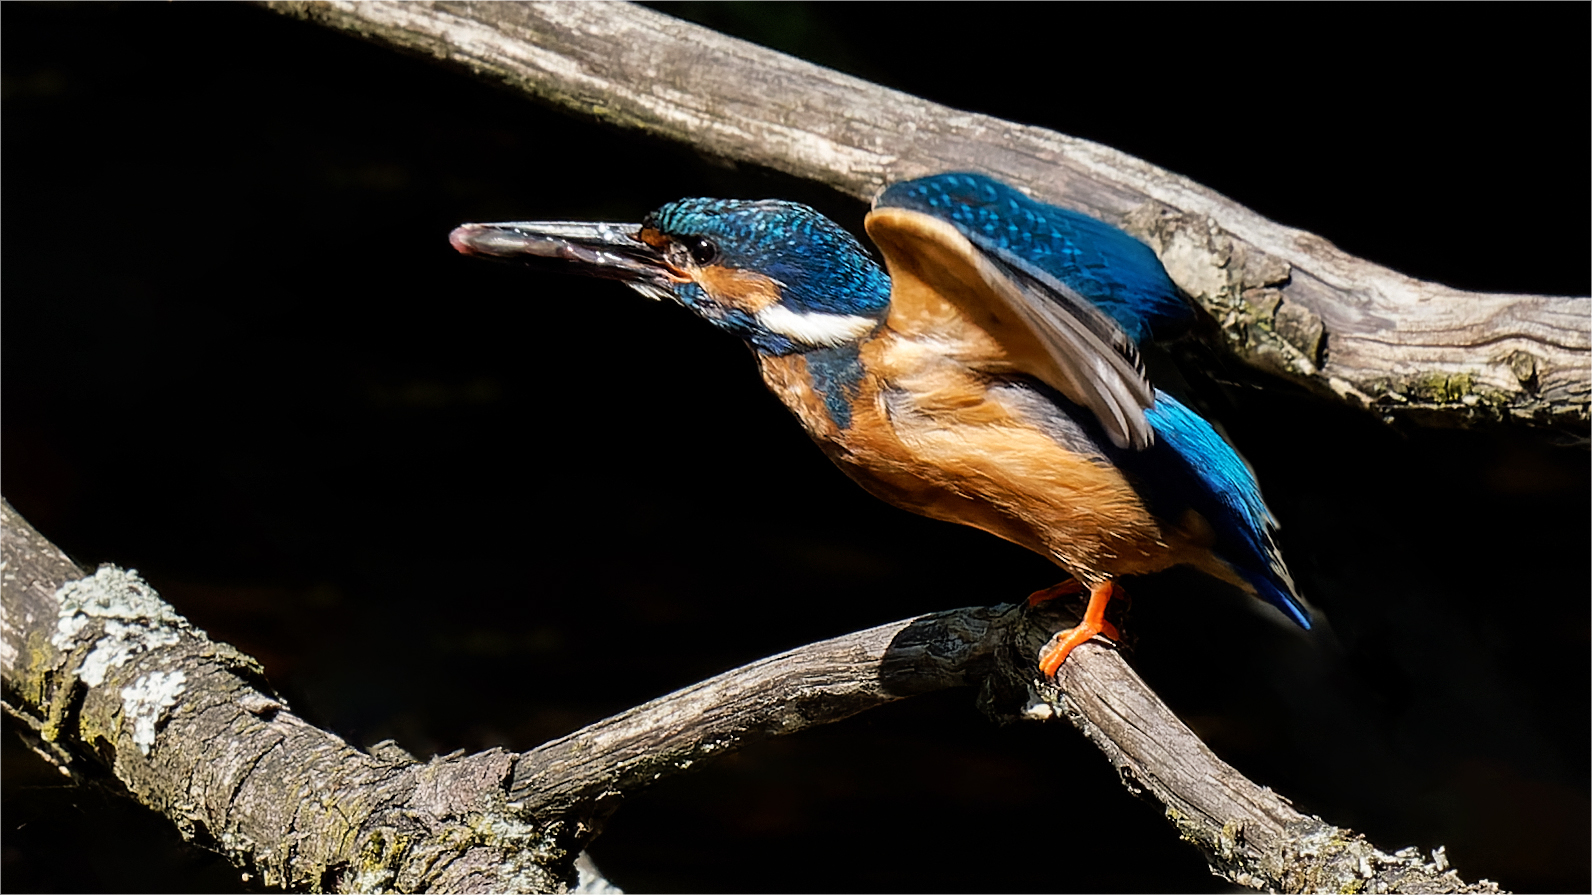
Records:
x=657, y=240
x=741, y=289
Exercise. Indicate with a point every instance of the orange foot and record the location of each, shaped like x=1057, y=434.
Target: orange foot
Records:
x=1094, y=622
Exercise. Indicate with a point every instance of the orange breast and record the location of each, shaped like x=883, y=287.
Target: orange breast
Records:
x=926, y=434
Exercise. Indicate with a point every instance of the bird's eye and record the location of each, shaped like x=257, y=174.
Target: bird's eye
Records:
x=702, y=249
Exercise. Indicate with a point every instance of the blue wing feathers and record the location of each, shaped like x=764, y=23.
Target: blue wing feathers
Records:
x=1121, y=275
x=1189, y=466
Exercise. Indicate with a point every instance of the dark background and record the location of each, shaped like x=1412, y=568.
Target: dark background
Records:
x=462, y=505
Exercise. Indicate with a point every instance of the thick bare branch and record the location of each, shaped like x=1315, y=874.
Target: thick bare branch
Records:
x=112, y=682
x=110, y=678
x=1248, y=834
x=1287, y=301
x=815, y=684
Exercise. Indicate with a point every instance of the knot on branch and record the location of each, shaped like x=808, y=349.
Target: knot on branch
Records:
x=1241, y=287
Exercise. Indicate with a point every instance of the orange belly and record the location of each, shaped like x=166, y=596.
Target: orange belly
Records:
x=925, y=433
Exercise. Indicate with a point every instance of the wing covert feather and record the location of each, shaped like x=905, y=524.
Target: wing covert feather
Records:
x=1044, y=328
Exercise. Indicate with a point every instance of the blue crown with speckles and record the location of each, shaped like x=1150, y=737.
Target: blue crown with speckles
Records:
x=820, y=266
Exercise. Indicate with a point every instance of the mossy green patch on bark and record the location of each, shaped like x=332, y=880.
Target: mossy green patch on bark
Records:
x=1441, y=387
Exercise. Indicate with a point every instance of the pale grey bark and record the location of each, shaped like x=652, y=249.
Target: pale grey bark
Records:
x=115, y=688
x=1286, y=301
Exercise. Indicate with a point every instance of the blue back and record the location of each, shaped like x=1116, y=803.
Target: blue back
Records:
x=1116, y=272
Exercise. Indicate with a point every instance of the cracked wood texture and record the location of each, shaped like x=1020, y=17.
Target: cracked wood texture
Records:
x=1286, y=301
x=225, y=760
x=1248, y=834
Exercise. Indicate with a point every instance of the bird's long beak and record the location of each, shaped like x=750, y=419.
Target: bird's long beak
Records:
x=610, y=251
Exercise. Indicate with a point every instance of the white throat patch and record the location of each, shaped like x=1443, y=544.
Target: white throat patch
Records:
x=814, y=329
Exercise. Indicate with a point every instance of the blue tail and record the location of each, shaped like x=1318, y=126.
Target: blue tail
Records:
x=1192, y=466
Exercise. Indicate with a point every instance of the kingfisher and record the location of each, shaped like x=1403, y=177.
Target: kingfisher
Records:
x=992, y=377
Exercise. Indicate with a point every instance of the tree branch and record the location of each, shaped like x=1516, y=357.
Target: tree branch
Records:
x=1286, y=301
x=815, y=684
x=116, y=686
x=118, y=689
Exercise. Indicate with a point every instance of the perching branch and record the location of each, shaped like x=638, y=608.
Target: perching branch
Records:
x=1286, y=301
x=117, y=688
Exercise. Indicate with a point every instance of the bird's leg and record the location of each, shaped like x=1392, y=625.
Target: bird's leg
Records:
x=1064, y=589
x=1074, y=586
x=1094, y=622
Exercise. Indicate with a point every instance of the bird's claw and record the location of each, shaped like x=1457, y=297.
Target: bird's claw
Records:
x=1094, y=622
x=1052, y=654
